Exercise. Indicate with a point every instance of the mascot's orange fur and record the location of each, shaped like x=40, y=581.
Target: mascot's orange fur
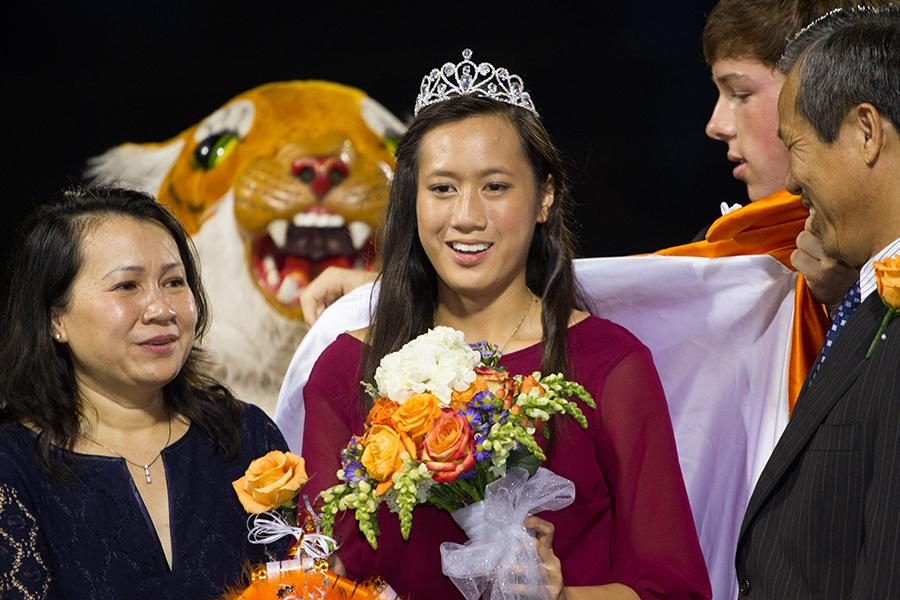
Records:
x=281, y=182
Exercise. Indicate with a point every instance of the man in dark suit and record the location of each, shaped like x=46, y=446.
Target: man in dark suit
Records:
x=824, y=519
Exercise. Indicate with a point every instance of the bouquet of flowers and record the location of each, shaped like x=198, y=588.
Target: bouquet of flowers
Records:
x=446, y=426
x=268, y=491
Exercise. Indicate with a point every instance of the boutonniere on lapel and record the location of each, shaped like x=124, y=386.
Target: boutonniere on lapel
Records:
x=887, y=276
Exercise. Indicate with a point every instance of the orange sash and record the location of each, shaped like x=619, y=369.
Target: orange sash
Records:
x=770, y=226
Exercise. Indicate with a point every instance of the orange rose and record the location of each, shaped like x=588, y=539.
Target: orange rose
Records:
x=416, y=416
x=449, y=448
x=382, y=456
x=270, y=481
x=887, y=276
x=459, y=400
x=381, y=412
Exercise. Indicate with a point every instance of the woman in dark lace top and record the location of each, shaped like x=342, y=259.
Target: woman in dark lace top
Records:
x=116, y=452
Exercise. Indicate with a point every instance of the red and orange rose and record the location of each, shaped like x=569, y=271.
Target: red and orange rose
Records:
x=448, y=450
x=499, y=383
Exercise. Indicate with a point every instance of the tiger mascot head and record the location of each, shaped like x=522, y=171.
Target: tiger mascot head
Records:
x=276, y=185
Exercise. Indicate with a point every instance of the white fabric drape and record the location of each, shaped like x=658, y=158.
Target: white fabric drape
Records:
x=719, y=330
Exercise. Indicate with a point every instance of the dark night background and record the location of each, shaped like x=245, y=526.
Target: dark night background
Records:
x=625, y=93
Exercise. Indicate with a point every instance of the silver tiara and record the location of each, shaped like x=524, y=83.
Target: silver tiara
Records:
x=468, y=79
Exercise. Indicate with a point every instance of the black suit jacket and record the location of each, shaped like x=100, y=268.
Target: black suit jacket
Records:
x=824, y=519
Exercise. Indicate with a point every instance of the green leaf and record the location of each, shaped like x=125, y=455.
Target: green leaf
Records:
x=525, y=460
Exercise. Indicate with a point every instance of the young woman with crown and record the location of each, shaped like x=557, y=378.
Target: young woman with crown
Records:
x=477, y=238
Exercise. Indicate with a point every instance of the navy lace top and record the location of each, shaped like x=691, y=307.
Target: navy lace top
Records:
x=90, y=536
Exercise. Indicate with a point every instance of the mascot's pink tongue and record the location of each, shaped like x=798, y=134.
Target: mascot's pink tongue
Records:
x=299, y=268
x=304, y=270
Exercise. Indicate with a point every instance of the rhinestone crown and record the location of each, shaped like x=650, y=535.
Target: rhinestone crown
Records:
x=468, y=79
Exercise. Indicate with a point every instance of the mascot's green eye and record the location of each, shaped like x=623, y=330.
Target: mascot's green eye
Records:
x=391, y=139
x=391, y=144
x=214, y=149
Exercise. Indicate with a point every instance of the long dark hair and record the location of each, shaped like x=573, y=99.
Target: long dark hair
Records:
x=408, y=291
x=38, y=384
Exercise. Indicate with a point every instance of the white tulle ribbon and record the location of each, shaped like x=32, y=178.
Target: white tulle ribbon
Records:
x=270, y=527
x=499, y=561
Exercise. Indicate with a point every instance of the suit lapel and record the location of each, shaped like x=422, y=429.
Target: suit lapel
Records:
x=844, y=363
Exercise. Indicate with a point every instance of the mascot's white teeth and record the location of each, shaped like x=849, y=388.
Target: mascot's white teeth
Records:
x=270, y=267
x=308, y=219
x=470, y=248
x=288, y=291
x=359, y=233
x=277, y=230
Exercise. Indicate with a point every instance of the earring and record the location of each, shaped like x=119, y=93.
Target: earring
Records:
x=56, y=336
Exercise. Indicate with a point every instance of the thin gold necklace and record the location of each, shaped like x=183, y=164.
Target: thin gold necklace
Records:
x=145, y=467
x=516, y=330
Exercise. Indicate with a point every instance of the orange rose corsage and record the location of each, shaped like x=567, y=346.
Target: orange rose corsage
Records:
x=887, y=277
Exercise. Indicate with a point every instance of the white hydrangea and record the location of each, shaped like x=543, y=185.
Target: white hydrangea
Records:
x=438, y=362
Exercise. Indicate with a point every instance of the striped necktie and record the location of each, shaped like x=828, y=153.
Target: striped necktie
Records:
x=851, y=300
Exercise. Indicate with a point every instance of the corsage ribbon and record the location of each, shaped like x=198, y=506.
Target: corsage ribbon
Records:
x=270, y=527
x=500, y=560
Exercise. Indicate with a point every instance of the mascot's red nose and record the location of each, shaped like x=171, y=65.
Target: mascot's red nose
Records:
x=320, y=173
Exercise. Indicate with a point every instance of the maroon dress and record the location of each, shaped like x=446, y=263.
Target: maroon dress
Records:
x=630, y=522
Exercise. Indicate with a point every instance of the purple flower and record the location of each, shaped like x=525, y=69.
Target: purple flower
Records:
x=467, y=474
x=353, y=471
x=480, y=453
x=483, y=400
x=490, y=355
x=474, y=416
x=483, y=348
x=480, y=421
x=350, y=461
